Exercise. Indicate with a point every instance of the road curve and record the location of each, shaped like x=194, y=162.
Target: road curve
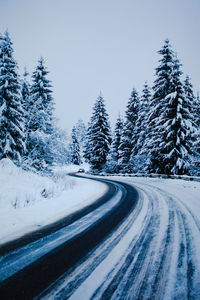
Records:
x=55, y=226
x=29, y=265
x=152, y=254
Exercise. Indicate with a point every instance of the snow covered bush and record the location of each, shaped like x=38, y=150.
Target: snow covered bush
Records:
x=20, y=188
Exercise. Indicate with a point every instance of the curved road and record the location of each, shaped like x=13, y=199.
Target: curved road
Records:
x=138, y=242
x=31, y=264
x=152, y=254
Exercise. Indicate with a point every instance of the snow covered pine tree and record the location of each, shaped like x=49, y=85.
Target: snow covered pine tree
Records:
x=170, y=118
x=98, y=136
x=139, y=153
x=117, y=137
x=178, y=127
x=75, y=148
x=12, y=139
x=115, y=155
x=128, y=140
x=161, y=88
x=41, y=122
x=194, y=109
x=25, y=94
x=81, y=131
x=112, y=163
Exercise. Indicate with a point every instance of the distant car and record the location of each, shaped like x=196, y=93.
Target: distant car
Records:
x=81, y=170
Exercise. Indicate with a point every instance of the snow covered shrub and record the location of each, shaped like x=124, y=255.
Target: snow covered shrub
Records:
x=20, y=188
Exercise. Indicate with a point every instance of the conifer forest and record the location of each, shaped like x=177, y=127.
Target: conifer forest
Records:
x=158, y=133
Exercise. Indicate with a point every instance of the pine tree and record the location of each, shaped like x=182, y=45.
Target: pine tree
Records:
x=42, y=104
x=173, y=126
x=128, y=140
x=87, y=145
x=117, y=138
x=197, y=111
x=139, y=153
x=193, y=104
x=41, y=122
x=194, y=109
x=98, y=136
x=188, y=89
x=81, y=132
x=11, y=111
x=196, y=141
x=178, y=128
x=25, y=94
x=162, y=87
x=112, y=164
x=75, y=148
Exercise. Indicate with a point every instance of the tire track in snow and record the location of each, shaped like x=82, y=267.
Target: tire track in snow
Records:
x=186, y=255
x=138, y=251
x=146, y=273
x=102, y=269
x=187, y=271
x=114, y=278
x=68, y=282
x=134, y=282
x=184, y=269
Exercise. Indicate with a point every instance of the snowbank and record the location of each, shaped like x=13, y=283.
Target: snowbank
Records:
x=28, y=200
x=20, y=188
x=186, y=191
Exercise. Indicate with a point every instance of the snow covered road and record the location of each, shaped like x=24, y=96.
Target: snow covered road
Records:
x=29, y=269
x=154, y=254
x=150, y=250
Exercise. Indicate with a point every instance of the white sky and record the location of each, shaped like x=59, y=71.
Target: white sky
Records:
x=107, y=45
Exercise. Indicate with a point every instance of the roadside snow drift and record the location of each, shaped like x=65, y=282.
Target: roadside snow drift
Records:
x=29, y=200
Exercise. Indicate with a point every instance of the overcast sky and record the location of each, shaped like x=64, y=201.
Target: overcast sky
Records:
x=107, y=45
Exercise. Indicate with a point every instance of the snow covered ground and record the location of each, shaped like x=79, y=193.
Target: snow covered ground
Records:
x=186, y=191
x=29, y=201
